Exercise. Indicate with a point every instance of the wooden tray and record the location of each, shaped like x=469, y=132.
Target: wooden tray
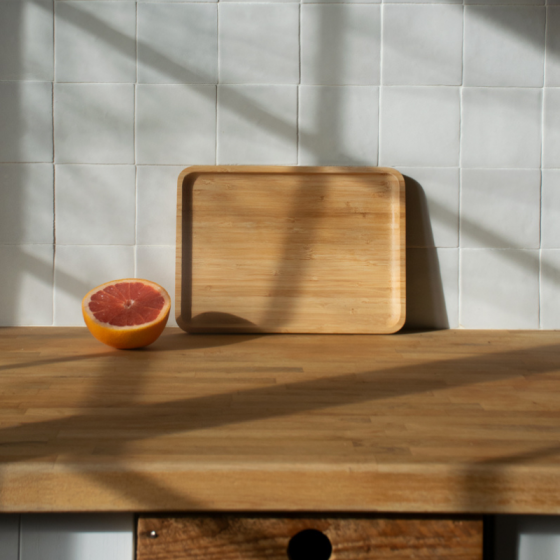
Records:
x=290, y=250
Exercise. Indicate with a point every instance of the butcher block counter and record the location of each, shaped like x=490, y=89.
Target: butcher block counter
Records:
x=449, y=422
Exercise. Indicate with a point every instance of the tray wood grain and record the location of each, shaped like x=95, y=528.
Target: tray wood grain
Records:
x=290, y=250
x=267, y=538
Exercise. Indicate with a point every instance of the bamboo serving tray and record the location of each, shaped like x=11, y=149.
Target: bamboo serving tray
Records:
x=290, y=250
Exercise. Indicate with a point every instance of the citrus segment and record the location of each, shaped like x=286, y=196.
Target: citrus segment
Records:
x=128, y=313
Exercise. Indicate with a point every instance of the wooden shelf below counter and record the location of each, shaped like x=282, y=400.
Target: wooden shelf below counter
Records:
x=435, y=422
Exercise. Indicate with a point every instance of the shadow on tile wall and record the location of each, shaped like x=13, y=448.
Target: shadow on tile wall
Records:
x=425, y=300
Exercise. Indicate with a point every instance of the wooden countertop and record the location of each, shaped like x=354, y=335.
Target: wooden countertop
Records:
x=448, y=421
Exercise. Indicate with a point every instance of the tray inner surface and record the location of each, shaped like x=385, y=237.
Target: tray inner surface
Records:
x=291, y=252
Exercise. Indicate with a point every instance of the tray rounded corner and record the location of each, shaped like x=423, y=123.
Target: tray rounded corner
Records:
x=181, y=323
x=400, y=319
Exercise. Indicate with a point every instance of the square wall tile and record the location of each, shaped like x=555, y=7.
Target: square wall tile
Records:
x=423, y=45
x=422, y=1
x=176, y=124
x=331, y=1
x=508, y=2
x=94, y=123
x=504, y=46
x=338, y=125
x=26, y=122
x=178, y=43
x=550, y=227
x=551, y=123
x=157, y=204
x=432, y=206
x=432, y=288
x=95, y=204
x=501, y=127
x=499, y=289
x=550, y=289
x=95, y=42
x=79, y=269
x=340, y=44
x=157, y=263
x=170, y=1
x=26, y=40
x=44, y=536
x=26, y=212
x=26, y=297
x=552, y=72
x=257, y=125
x=500, y=208
x=259, y=43
x=420, y=126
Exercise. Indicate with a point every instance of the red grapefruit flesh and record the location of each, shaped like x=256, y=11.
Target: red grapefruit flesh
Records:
x=128, y=313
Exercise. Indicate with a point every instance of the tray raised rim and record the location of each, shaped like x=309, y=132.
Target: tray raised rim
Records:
x=194, y=170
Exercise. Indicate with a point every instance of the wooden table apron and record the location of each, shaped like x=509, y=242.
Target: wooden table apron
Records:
x=454, y=422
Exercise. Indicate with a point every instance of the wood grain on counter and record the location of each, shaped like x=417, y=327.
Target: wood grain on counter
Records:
x=449, y=421
x=239, y=538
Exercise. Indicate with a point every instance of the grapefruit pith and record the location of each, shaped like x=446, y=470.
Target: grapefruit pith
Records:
x=128, y=313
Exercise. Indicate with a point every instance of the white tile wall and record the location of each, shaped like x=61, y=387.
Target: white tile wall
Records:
x=551, y=123
x=95, y=204
x=257, y=125
x=25, y=29
x=550, y=289
x=550, y=226
x=340, y=44
x=420, y=126
x=423, y=45
x=90, y=536
x=94, y=123
x=461, y=96
x=95, y=42
x=494, y=54
x=156, y=204
x=499, y=289
x=26, y=277
x=338, y=125
x=26, y=211
x=553, y=46
x=178, y=43
x=175, y=124
x=259, y=43
x=501, y=127
x=26, y=122
x=492, y=199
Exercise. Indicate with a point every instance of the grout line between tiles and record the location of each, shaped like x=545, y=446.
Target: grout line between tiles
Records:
x=53, y=174
x=218, y=47
x=381, y=84
x=298, y=88
x=168, y=84
x=543, y=95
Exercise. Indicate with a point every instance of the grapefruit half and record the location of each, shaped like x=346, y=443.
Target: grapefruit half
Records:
x=128, y=313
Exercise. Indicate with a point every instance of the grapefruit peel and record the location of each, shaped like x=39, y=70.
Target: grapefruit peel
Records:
x=126, y=313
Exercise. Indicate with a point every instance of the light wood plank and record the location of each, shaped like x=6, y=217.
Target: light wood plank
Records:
x=449, y=421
